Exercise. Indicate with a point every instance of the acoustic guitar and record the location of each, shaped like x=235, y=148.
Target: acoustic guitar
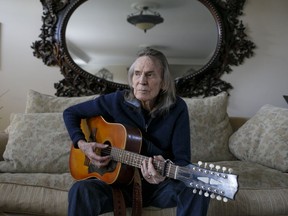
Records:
x=124, y=148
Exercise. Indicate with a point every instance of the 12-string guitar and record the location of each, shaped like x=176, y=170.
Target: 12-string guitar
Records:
x=124, y=148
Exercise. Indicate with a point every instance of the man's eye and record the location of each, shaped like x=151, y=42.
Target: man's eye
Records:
x=137, y=73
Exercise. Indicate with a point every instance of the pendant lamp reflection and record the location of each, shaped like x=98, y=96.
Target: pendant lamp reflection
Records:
x=146, y=19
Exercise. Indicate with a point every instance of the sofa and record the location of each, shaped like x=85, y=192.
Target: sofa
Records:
x=35, y=148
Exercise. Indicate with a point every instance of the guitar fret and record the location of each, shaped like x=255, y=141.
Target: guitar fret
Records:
x=135, y=160
x=168, y=169
x=128, y=158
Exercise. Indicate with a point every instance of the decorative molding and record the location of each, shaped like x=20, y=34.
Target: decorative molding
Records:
x=232, y=49
x=44, y=48
x=236, y=48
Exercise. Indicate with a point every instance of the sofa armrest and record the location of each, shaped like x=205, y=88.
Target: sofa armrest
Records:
x=237, y=122
x=3, y=143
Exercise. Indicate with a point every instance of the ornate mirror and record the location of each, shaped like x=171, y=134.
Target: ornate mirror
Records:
x=93, y=44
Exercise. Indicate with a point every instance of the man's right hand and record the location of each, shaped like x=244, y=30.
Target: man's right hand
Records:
x=90, y=148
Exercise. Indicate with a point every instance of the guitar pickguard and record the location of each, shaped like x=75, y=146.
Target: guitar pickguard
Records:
x=102, y=170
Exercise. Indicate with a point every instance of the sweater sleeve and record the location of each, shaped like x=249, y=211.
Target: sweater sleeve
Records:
x=72, y=118
x=73, y=115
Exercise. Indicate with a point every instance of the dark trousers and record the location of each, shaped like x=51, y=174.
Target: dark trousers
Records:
x=93, y=197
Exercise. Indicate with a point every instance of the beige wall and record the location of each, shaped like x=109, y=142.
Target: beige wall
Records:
x=262, y=79
x=19, y=69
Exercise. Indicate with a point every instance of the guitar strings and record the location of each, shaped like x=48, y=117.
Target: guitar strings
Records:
x=135, y=159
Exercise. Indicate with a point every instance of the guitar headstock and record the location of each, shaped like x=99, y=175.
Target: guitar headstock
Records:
x=209, y=180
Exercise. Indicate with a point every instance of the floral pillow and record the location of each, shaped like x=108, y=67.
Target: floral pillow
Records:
x=38, y=142
x=210, y=128
x=42, y=103
x=263, y=138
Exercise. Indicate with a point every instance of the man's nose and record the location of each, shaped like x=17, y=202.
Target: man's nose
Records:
x=143, y=79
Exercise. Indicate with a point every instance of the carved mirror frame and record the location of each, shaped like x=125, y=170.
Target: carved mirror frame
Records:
x=232, y=48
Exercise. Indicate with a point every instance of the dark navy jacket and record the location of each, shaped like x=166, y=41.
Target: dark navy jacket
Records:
x=168, y=134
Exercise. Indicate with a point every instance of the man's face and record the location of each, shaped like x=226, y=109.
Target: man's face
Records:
x=147, y=80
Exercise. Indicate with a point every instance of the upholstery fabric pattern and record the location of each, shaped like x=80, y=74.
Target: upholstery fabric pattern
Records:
x=266, y=195
x=32, y=200
x=210, y=128
x=263, y=191
x=42, y=103
x=3, y=142
x=37, y=143
x=57, y=181
x=263, y=138
x=253, y=176
x=253, y=202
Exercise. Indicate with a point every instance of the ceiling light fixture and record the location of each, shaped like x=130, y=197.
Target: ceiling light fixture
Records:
x=146, y=19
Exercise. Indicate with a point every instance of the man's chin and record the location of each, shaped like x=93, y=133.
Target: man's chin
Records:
x=142, y=97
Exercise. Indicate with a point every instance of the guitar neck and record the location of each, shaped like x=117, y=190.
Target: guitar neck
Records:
x=135, y=160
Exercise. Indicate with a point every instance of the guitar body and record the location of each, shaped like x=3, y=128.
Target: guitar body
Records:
x=117, y=136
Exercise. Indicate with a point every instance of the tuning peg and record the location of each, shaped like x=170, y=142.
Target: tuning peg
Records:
x=230, y=170
x=211, y=166
x=225, y=199
x=219, y=197
x=224, y=169
x=194, y=191
x=200, y=163
x=200, y=192
x=205, y=165
x=212, y=196
x=206, y=194
x=217, y=167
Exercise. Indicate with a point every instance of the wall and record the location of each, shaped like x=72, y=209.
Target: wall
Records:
x=262, y=79
x=19, y=69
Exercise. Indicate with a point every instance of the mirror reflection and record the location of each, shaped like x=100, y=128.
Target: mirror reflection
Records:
x=103, y=43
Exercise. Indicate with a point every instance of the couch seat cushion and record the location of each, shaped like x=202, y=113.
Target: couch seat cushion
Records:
x=59, y=181
x=256, y=176
x=35, y=193
x=262, y=191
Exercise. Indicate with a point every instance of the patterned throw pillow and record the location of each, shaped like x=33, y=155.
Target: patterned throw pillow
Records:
x=41, y=103
x=38, y=142
x=263, y=138
x=210, y=128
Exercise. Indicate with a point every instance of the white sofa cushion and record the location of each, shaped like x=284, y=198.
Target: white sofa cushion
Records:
x=42, y=103
x=263, y=138
x=38, y=142
x=210, y=128
x=42, y=137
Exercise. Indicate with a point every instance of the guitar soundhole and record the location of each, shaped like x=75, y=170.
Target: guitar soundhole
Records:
x=109, y=168
x=107, y=151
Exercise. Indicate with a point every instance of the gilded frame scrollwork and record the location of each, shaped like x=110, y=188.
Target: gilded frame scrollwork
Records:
x=233, y=47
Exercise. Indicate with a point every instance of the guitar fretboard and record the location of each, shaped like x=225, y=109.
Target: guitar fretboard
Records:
x=135, y=160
